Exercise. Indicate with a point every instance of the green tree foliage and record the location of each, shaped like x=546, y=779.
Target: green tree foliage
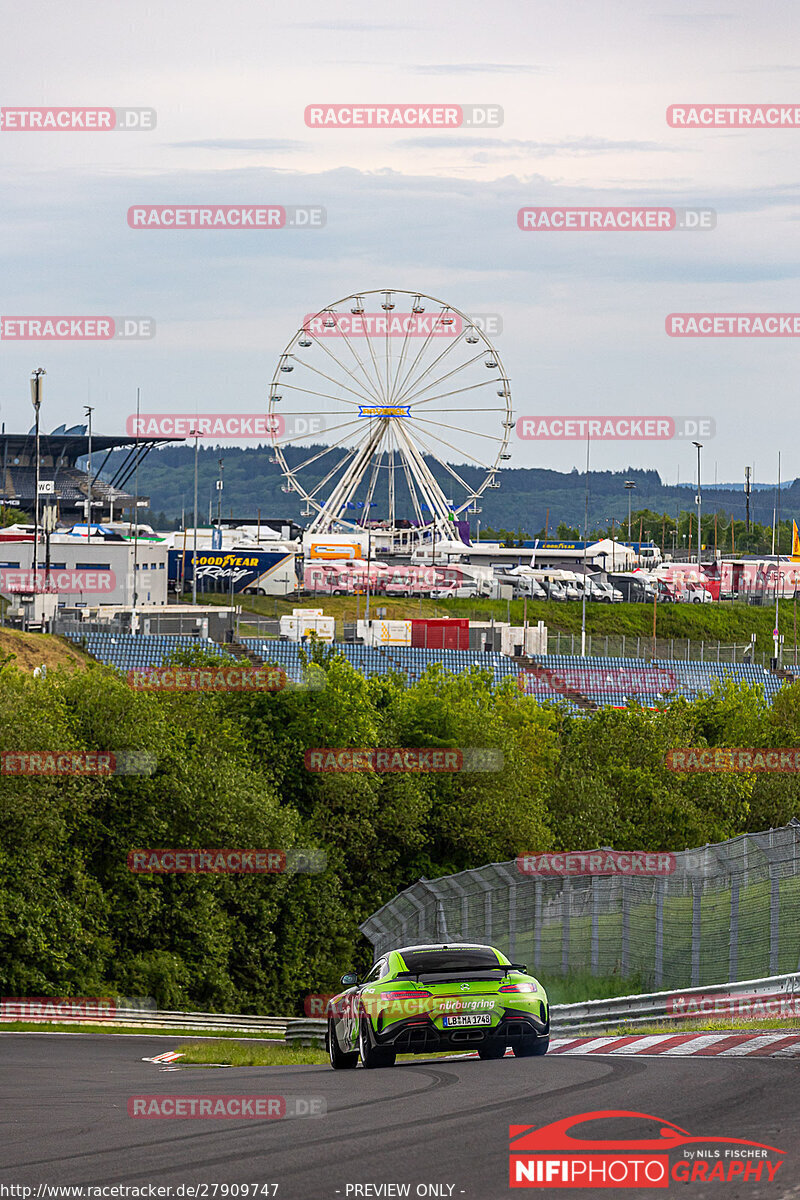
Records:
x=231, y=773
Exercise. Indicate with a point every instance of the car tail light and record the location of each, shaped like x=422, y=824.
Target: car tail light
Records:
x=518, y=987
x=404, y=995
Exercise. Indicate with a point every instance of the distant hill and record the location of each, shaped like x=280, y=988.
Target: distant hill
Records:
x=252, y=482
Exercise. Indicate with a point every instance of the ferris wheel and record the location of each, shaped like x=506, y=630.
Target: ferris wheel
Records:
x=391, y=408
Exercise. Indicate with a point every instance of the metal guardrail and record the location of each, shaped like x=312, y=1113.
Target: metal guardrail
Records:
x=308, y=1031
x=675, y=1005
x=649, y=1008
x=145, y=1018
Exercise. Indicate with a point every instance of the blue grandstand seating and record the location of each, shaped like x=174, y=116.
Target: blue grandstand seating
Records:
x=603, y=681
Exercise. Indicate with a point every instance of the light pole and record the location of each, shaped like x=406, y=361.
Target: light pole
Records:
x=699, y=446
x=36, y=399
x=89, y=412
x=195, y=433
x=220, y=463
x=613, y=544
x=629, y=486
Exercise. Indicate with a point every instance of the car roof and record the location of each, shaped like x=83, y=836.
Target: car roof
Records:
x=444, y=946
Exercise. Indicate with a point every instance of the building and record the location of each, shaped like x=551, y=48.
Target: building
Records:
x=62, y=483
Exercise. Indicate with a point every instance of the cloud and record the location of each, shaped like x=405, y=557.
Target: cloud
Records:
x=247, y=145
x=478, y=69
x=519, y=148
x=348, y=26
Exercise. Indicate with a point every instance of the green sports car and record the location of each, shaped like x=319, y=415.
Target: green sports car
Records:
x=426, y=999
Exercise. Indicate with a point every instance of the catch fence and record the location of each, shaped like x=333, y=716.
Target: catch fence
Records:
x=725, y=912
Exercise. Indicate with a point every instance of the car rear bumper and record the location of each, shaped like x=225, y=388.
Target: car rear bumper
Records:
x=415, y=1036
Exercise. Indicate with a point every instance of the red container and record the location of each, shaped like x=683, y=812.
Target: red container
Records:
x=441, y=633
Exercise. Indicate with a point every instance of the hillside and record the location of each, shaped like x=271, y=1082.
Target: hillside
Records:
x=30, y=650
x=252, y=482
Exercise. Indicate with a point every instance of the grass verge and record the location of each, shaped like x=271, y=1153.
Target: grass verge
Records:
x=233, y=1054
x=704, y=1025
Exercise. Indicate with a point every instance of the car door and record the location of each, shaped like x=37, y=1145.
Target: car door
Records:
x=362, y=996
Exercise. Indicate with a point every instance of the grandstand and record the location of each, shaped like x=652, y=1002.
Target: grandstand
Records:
x=59, y=453
x=553, y=677
x=129, y=652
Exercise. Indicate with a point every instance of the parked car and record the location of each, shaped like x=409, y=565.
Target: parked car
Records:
x=635, y=589
x=695, y=593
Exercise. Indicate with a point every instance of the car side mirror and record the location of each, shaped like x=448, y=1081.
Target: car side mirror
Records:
x=349, y=980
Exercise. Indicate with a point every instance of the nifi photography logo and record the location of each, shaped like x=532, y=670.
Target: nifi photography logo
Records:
x=637, y=1150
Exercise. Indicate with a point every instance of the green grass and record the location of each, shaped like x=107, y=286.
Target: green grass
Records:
x=707, y=1025
x=236, y=1055
x=582, y=985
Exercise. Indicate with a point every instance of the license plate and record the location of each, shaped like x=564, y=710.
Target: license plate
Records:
x=470, y=1019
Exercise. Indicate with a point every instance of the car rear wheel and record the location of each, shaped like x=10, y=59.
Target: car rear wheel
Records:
x=339, y=1060
x=491, y=1051
x=532, y=1049
x=372, y=1056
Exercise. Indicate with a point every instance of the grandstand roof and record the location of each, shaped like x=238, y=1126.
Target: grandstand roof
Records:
x=59, y=452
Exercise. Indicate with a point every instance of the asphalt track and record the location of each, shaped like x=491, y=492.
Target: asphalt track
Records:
x=64, y=1119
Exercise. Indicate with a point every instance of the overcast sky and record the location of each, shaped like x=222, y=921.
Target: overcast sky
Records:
x=584, y=89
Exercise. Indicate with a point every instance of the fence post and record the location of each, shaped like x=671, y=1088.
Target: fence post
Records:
x=623, y=646
x=566, y=906
x=658, y=958
x=638, y=640
x=696, y=902
x=595, y=924
x=774, y=914
x=537, y=923
x=572, y=643
x=625, y=948
x=733, y=952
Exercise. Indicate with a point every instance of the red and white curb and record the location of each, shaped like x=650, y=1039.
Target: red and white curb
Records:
x=168, y=1056
x=684, y=1045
